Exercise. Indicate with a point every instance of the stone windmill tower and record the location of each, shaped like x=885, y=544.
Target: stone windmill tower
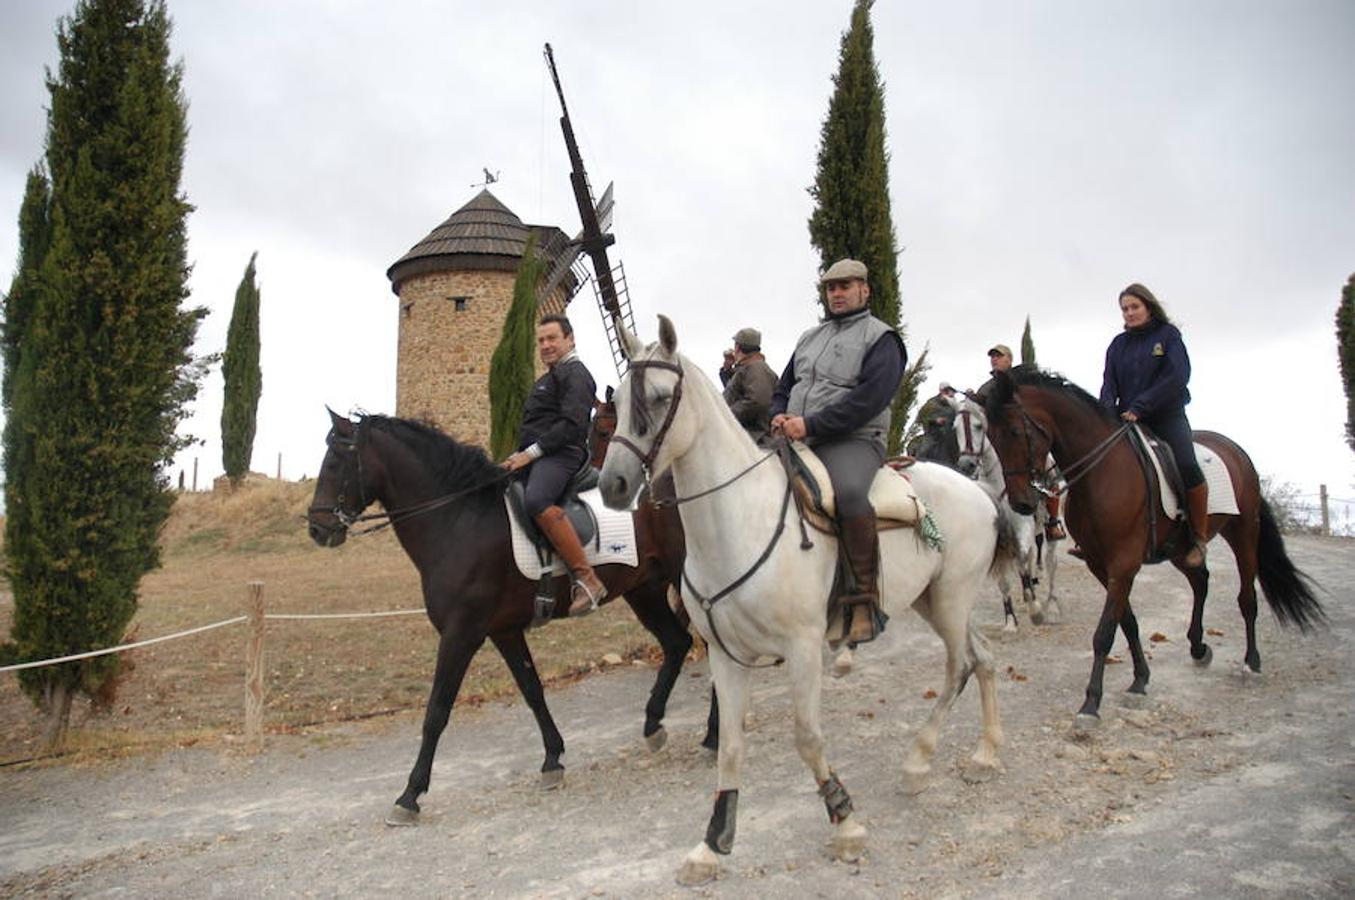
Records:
x=455, y=287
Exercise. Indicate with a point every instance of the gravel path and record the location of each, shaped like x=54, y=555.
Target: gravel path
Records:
x=1217, y=785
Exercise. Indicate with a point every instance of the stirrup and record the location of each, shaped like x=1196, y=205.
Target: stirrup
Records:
x=1077, y=552
x=584, y=600
x=867, y=620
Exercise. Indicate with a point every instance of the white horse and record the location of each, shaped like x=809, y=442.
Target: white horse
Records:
x=754, y=596
x=978, y=459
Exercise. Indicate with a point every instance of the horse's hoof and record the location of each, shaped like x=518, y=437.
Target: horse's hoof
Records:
x=1009, y=626
x=698, y=867
x=552, y=779
x=1086, y=723
x=1037, y=618
x=1248, y=673
x=915, y=781
x=399, y=817
x=842, y=667
x=979, y=773
x=1205, y=658
x=849, y=841
x=656, y=741
x=1135, y=699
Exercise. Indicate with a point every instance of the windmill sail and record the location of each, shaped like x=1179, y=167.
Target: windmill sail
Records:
x=609, y=285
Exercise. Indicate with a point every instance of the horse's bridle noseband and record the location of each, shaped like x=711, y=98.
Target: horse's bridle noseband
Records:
x=637, y=411
x=344, y=446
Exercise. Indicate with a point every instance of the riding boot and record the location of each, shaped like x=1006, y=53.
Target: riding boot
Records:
x=588, y=590
x=1053, y=529
x=862, y=549
x=1197, y=510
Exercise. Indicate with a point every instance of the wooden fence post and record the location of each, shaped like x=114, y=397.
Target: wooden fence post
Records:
x=1326, y=512
x=254, y=667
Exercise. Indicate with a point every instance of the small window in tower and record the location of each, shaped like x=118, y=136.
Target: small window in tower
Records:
x=461, y=303
x=406, y=309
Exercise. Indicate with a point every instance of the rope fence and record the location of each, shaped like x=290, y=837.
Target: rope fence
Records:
x=255, y=616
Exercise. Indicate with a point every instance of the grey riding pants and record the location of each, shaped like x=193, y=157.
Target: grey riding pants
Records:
x=852, y=464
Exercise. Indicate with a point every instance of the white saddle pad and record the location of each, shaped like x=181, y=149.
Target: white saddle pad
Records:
x=615, y=542
x=1222, y=499
x=891, y=493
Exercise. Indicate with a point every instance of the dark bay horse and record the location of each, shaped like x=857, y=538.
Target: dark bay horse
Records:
x=1034, y=413
x=445, y=502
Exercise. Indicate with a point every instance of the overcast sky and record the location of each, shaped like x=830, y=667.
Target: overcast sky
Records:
x=1043, y=155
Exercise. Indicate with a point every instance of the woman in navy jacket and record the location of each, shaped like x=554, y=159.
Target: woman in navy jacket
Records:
x=1147, y=370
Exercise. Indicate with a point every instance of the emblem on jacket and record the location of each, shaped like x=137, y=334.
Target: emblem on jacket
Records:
x=1158, y=349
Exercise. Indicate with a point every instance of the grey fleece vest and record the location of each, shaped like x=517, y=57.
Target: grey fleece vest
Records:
x=828, y=362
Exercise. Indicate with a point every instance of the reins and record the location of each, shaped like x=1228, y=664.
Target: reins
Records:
x=389, y=517
x=706, y=603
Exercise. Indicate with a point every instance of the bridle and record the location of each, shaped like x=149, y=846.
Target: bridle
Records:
x=351, y=482
x=1071, y=473
x=641, y=414
x=969, y=449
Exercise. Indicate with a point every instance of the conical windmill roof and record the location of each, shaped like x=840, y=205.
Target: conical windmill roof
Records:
x=482, y=235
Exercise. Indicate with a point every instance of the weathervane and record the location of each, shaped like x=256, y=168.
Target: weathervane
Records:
x=490, y=178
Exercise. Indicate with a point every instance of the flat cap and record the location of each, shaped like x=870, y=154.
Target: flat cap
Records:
x=844, y=269
x=999, y=350
x=748, y=337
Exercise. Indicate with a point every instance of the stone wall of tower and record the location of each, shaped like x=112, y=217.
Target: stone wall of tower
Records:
x=442, y=369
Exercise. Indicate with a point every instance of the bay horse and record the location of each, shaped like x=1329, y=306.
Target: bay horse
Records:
x=751, y=597
x=445, y=502
x=1036, y=413
x=978, y=459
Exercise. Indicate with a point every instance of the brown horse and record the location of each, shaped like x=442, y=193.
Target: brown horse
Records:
x=1034, y=413
x=445, y=502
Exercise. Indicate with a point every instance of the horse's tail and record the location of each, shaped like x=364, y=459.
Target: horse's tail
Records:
x=1007, y=553
x=1288, y=590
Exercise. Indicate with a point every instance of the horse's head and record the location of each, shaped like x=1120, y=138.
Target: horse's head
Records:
x=1021, y=439
x=603, y=427
x=653, y=426
x=340, y=494
x=970, y=427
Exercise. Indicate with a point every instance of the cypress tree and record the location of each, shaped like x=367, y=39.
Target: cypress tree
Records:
x=243, y=379
x=35, y=236
x=851, y=215
x=902, y=406
x=1027, y=346
x=512, y=367
x=1345, y=351
x=105, y=369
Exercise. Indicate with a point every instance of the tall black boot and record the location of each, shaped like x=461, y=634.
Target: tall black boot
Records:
x=861, y=546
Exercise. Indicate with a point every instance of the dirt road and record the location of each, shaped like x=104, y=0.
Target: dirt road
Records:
x=1217, y=785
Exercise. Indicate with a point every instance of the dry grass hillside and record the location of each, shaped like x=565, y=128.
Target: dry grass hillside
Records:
x=192, y=689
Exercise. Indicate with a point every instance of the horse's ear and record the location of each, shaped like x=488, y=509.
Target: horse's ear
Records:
x=667, y=335
x=631, y=346
x=340, y=425
x=610, y=391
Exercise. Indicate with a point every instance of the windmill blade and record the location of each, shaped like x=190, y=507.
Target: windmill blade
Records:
x=565, y=260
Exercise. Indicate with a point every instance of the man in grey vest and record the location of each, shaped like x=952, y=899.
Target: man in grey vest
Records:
x=749, y=383
x=834, y=395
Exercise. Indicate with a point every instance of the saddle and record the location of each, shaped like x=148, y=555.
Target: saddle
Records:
x=580, y=515
x=896, y=504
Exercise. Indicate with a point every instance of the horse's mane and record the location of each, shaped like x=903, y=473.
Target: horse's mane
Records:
x=453, y=465
x=1029, y=376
